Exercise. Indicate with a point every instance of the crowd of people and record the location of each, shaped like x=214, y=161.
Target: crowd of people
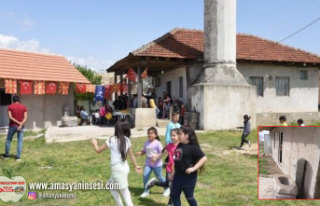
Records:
x=161, y=105
x=184, y=159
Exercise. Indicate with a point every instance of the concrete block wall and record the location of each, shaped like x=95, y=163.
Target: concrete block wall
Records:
x=272, y=119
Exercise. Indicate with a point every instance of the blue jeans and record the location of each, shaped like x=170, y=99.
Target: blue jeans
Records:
x=11, y=132
x=186, y=185
x=157, y=112
x=147, y=172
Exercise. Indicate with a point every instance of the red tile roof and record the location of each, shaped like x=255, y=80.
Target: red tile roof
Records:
x=189, y=44
x=35, y=66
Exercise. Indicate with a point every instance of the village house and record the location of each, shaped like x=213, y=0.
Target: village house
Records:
x=286, y=78
x=291, y=143
x=28, y=67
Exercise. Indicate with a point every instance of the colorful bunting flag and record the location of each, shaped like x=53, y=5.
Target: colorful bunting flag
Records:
x=124, y=88
x=51, y=87
x=144, y=74
x=25, y=87
x=80, y=88
x=116, y=88
x=108, y=90
x=91, y=88
x=64, y=88
x=132, y=75
x=99, y=94
x=39, y=87
x=10, y=86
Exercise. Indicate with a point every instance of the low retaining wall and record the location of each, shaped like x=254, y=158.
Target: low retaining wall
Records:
x=272, y=119
x=145, y=117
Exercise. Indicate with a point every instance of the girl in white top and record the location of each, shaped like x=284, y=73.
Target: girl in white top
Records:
x=120, y=146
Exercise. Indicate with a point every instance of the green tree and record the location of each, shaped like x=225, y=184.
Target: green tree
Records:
x=92, y=76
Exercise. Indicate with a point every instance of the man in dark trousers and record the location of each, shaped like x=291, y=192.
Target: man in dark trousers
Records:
x=17, y=114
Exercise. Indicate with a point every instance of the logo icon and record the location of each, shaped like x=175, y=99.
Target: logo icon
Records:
x=12, y=188
x=19, y=190
x=32, y=195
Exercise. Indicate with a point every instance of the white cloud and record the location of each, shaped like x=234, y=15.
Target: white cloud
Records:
x=11, y=42
x=92, y=63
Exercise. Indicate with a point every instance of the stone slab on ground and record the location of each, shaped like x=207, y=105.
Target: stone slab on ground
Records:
x=68, y=134
x=265, y=188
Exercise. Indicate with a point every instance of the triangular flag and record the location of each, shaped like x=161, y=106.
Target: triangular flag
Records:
x=25, y=87
x=39, y=87
x=10, y=86
x=144, y=74
x=132, y=75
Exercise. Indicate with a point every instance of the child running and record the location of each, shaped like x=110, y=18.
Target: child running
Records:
x=169, y=149
x=172, y=125
x=120, y=146
x=151, y=147
x=246, y=131
x=188, y=159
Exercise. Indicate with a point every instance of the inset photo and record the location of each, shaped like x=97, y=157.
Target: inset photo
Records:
x=289, y=163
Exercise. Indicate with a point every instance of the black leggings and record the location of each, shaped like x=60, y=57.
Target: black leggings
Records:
x=165, y=184
x=243, y=139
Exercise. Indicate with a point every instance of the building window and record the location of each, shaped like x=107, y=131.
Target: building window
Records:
x=5, y=99
x=169, y=88
x=282, y=86
x=303, y=74
x=258, y=82
x=181, y=86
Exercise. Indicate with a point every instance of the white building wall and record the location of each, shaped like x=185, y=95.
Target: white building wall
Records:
x=173, y=76
x=303, y=94
x=299, y=142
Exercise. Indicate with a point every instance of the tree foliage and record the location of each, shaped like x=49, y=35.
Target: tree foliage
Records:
x=92, y=76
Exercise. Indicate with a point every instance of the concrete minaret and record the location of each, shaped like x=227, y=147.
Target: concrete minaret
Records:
x=220, y=44
x=221, y=95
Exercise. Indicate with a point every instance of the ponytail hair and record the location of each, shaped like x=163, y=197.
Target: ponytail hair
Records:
x=192, y=139
x=121, y=132
x=155, y=131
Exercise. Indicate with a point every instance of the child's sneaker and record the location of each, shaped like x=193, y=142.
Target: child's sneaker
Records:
x=150, y=183
x=4, y=157
x=144, y=194
x=166, y=192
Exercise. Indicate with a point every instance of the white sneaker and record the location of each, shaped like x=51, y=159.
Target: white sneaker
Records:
x=144, y=194
x=150, y=183
x=166, y=192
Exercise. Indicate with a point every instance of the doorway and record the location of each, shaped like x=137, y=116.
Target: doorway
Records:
x=280, y=147
x=5, y=101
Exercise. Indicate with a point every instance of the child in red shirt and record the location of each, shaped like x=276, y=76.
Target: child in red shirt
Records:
x=169, y=149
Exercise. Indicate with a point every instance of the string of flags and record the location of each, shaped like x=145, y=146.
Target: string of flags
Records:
x=51, y=87
x=38, y=87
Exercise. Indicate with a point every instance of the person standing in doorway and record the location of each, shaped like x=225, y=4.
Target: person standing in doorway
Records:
x=18, y=115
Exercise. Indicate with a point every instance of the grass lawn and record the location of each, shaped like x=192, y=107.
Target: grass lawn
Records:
x=229, y=179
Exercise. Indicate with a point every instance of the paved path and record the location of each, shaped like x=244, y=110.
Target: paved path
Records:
x=68, y=134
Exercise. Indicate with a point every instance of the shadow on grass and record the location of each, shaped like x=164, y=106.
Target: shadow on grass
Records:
x=144, y=201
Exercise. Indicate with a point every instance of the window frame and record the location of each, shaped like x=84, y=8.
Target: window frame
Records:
x=262, y=89
x=278, y=91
